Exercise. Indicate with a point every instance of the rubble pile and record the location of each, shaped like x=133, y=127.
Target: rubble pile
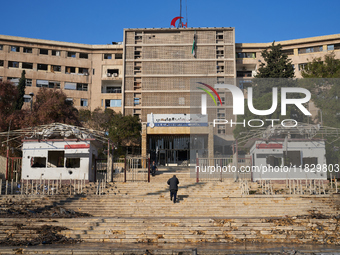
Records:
x=45, y=234
x=36, y=209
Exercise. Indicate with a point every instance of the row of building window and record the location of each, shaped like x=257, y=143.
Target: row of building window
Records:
x=69, y=54
x=67, y=86
x=45, y=67
x=112, y=103
x=108, y=102
x=83, y=101
x=116, y=56
x=245, y=55
x=330, y=47
x=50, y=84
x=72, y=54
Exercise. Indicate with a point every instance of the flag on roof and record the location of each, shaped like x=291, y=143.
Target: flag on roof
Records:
x=193, y=51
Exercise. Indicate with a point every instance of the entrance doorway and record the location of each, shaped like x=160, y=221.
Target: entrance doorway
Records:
x=169, y=150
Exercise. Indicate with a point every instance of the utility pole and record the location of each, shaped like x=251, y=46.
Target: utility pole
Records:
x=7, y=153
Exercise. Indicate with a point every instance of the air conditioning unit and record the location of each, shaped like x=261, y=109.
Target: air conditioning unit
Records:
x=109, y=74
x=115, y=75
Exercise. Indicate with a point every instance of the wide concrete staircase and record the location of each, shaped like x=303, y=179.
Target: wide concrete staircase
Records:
x=141, y=212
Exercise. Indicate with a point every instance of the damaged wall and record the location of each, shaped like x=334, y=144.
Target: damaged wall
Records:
x=55, y=159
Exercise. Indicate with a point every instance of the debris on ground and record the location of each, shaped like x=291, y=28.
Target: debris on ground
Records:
x=36, y=209
x=46, y=234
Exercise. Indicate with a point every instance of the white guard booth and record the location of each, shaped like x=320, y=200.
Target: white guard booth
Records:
x=281, y=159
x=56, y=159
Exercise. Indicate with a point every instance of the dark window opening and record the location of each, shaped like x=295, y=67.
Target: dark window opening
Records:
x=56, y=53
x=245, y=54
x=13, y=64
x=43, y=52
x=15, y=48
x=71, y=54
x=55, y=68
x=82, y=86
x=107, y=56
x=27, y=65
x=222, y=99
x=292, y=158
x=113, y=72
x=42, y=67
x=27, y=50
x=29, y=82
x=310, y=162
x=273, y=161
x=72, y=162
x=244, y=73
x=138, y=54
x=288, y=52
x=310, y=49
x=69, y=101
x=54, y=85
x=1, y=63
x=70, y=69
x=83, y=55
x=113, y=90
x=38, y=162
x=118, y=56
x=84, y=71
x=55, y=159
x=220, y=69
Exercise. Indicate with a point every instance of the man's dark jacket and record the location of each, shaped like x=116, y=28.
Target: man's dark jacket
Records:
x=173, y=182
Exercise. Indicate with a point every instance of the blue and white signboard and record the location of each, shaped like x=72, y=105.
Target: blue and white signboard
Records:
x=177, y=120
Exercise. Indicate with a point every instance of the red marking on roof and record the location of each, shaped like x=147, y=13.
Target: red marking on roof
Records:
x=77, y=146
x=269, y=146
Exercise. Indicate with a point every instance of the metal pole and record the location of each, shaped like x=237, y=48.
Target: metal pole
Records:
x=107, y=161
x=7, y=153
x=197, y=168
x=125, y=169
x=149, y=168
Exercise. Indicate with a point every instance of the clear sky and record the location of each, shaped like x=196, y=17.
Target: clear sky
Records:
x=103, y=21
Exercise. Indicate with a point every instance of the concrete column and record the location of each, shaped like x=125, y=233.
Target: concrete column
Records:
x=144, y=137
x=296, y=52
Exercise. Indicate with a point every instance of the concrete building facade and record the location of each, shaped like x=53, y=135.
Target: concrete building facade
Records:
x=300, y=51
x=151, y=72
x=90, y=75
x=159, y=68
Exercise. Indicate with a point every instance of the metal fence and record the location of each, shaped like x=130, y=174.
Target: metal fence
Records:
x=42, y=187
x=212, y=169
x=134, y=169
